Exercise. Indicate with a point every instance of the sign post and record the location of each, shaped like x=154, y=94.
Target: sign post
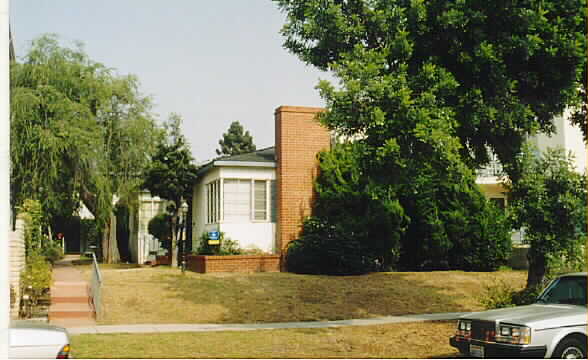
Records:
x=213, y=238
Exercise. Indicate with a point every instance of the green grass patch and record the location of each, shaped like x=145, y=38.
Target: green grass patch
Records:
x=410, y=340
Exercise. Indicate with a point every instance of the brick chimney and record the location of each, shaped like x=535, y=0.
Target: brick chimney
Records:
x=299, y=138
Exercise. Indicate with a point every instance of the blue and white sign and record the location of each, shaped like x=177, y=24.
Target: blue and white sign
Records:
x=213, y=235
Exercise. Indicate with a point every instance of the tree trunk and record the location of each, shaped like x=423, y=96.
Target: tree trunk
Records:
x=537, y=268
x=110, y=254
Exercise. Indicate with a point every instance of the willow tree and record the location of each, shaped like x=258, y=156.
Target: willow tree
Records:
x=79, y=133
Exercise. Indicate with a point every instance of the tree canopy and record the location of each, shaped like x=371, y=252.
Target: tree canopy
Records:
x=79, y=132
x=431, y=89
x=549, y=202
x=235, y=141
x=503, y=68
x=171, y=174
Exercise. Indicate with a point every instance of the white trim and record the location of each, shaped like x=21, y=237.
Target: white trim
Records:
x=244, y=163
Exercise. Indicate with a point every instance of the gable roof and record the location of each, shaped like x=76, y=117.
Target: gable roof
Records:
x=260, y=158
x=262, y=155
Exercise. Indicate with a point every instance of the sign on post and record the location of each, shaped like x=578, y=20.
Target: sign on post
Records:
x=213, y=238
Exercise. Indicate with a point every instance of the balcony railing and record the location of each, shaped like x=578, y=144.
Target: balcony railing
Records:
x=493, y=169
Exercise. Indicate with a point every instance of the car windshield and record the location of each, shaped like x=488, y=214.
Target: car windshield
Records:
x=565, y=290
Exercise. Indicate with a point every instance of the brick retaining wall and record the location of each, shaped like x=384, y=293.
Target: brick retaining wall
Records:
x=233, y=263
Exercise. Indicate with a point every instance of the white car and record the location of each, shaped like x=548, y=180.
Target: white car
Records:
x=35, y=340
x=553, y=327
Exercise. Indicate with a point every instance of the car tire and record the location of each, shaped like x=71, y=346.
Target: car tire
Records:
x=570, y=348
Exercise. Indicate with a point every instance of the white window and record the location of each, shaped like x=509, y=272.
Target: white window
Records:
x=260, y=203
x=236, y=200
x=273, y=203
x=213, y=202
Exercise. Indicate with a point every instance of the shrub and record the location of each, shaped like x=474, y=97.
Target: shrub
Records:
x=36, y=277
x=52, y=253
x=500, y=295
x=329, y=249
x=227, y=246
x=497, y=295
x=160, y=228
x=253, y=250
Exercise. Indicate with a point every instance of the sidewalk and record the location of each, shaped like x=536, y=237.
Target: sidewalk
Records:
x=163, y=328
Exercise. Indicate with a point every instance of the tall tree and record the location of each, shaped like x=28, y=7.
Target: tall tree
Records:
x=235, y=141
x=78, y=133
x=171, y=175
x=514, y=64
x=432, y=88
x=549, y=201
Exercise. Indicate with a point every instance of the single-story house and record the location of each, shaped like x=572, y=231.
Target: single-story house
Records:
x=236, y=195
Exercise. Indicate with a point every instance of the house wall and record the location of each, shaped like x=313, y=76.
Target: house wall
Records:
x=199, y=207
x=567, y=136
x=140, y=241
x=16, y=263
x=299, y=137
x=257, y=234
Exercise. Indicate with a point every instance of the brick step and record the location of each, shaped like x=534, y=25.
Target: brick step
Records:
x=70, y=310
x=65, y=291
x=71, y=299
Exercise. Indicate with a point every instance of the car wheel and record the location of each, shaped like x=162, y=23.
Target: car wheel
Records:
x=570, y=348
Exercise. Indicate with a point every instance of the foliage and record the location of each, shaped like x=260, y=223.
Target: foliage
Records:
x=497, y=295
x=501, y=294
x=325, y=248
x=52, y=253
x=160, y=227
x=89, y=232
x=235, y=141
x=36, y=277
x=436, y=218
x=171, y=174
x=34, y=221
x=78, y=133
x=452, y=225
x=549, y=201
x=499, y=70
x=227, y=246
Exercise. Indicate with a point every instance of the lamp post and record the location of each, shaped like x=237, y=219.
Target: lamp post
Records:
x=183, y=222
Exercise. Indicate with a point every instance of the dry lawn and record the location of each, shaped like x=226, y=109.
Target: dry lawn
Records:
x=409, y=340
x=163, y=295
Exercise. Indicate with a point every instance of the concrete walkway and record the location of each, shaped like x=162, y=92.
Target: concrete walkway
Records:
x=70, y=296
x=163, y=328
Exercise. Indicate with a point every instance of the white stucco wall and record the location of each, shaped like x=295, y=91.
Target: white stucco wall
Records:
x=139, y=238
x=567, y=136
x=258, y=234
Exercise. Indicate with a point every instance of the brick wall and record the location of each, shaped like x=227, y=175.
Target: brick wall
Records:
x=233, y=263
x=16, y=263
x=299, y=137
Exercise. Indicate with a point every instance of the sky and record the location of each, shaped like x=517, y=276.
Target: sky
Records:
x=212, y=62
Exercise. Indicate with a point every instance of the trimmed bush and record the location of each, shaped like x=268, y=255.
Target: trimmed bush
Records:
x=227, y=246
x=36, y=277
x=329, y=249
